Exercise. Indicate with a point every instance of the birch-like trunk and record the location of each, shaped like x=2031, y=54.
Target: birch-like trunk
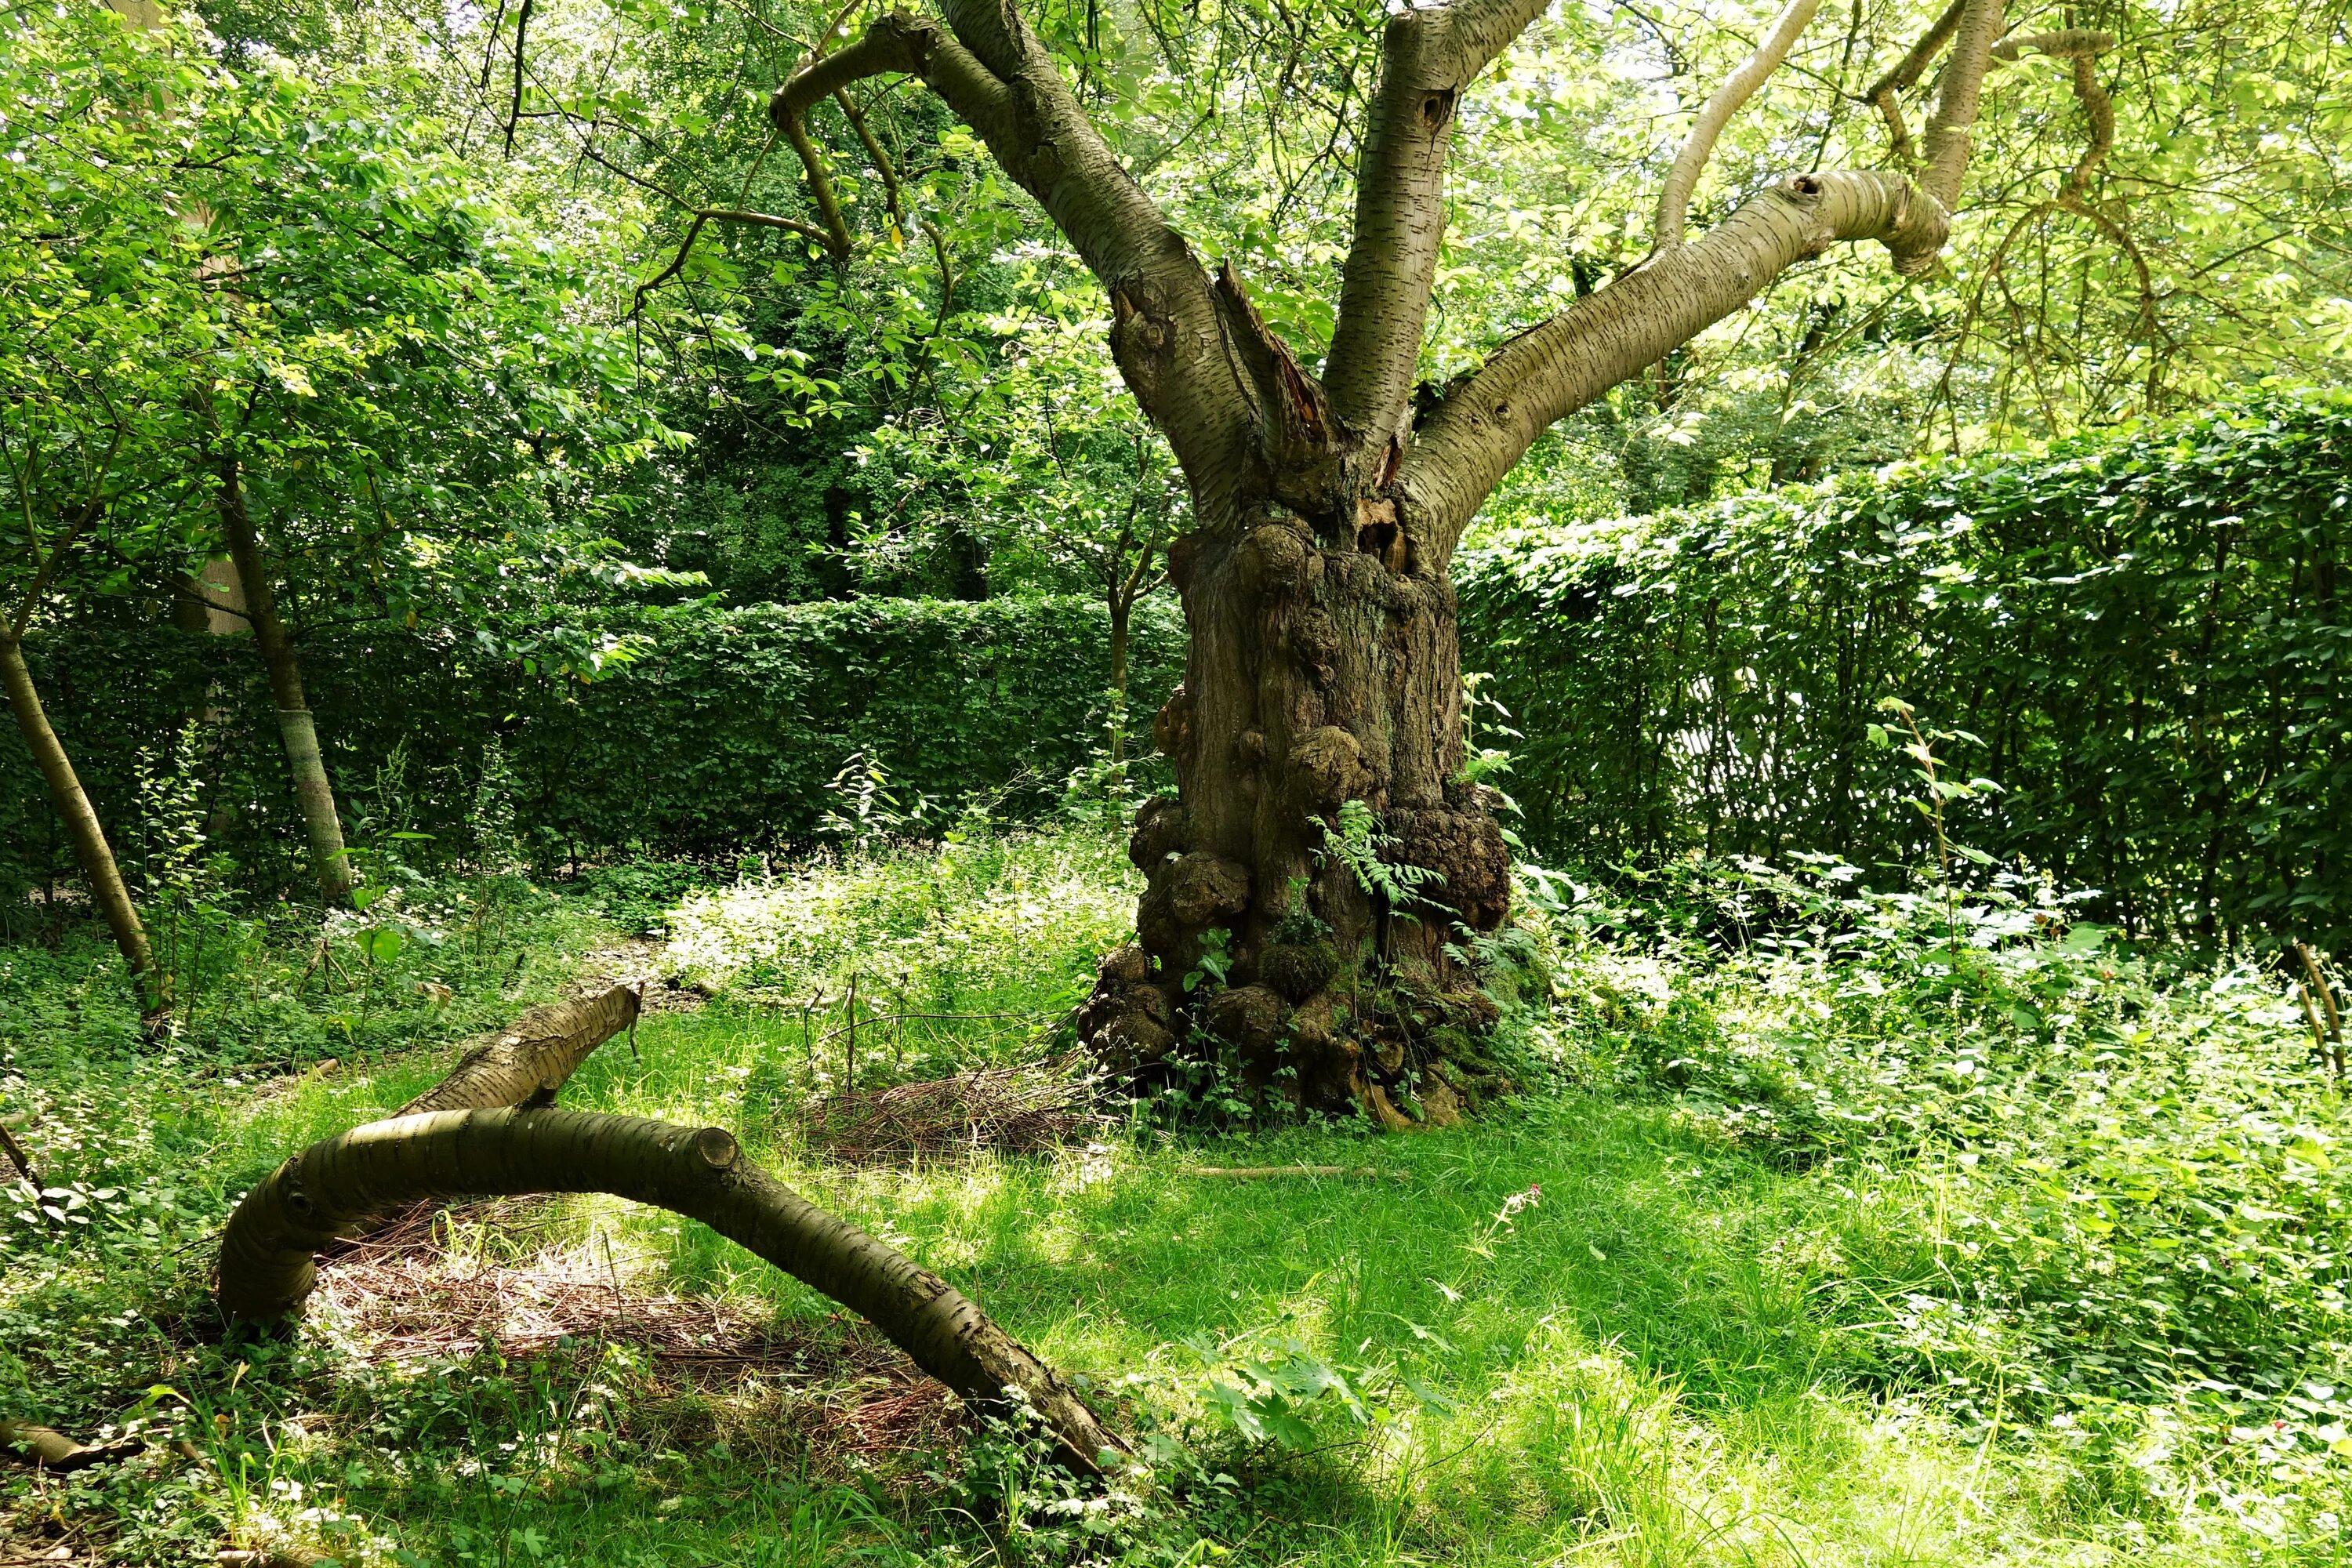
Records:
x=314, y=793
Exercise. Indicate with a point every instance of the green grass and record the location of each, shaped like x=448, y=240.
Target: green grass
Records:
x=1648, y=1317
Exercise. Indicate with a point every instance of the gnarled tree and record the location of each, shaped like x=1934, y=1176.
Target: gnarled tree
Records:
x=1323, y=666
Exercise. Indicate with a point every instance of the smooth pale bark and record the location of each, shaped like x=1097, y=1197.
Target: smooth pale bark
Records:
x=83, y=829
x=53, y=1450
x=1682, y=178
x=314, y=794
x=1487, y=423
x=267, y=1267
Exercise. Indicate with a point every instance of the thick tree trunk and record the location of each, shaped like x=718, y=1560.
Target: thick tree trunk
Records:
x=314, y=795
x=82, y=827
x=1324, y=841
x=1324, y=669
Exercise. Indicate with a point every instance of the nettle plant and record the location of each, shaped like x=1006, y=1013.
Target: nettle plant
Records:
x=1323, y=691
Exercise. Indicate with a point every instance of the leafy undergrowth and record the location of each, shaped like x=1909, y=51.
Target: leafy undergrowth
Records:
x=1914, y=1233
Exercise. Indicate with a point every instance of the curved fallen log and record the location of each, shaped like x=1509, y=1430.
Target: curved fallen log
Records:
x=267, y=1269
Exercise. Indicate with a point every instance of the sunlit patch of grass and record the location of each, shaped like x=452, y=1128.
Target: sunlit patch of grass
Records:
x=1637, y=1332
x=957, y=958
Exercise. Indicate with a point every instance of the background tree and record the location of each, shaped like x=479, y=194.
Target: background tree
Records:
x=97, y=274
x=1033, y=448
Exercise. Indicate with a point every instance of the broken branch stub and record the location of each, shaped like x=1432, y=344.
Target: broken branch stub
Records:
x=535, y=1054
x=267, y=1269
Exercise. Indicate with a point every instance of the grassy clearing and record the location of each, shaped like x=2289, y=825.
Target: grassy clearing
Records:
x=1879, y=1244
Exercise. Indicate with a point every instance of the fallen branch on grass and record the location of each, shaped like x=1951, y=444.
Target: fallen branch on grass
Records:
x=55, y=1451
x=267, y=1266
x=1258, y=1172
x=533, y=1057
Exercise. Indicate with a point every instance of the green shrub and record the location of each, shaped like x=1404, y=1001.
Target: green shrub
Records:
x=2144, y=639
x=705, y=731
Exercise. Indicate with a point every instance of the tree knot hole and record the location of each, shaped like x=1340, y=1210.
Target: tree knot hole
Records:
x=1377, y=533
x=1436, y=109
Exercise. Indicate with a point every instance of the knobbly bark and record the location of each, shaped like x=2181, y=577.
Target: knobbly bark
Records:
x=314, y=795
x=1323, y=681
x=267, y=1269
x=83, y=829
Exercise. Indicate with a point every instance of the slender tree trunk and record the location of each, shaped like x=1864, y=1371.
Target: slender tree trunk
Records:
x=1122, y=611
x=82, y=826
x=313, y=794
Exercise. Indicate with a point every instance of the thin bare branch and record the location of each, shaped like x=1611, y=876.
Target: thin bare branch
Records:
x=883, y=165
x=514, y=111
x=1681, y=179
x=1906, y=75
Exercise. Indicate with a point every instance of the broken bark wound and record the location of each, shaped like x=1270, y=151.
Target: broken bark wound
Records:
x=1377, y=533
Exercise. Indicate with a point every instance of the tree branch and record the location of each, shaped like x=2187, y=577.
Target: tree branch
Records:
x=2081, y=47
x=1166, y=333
x=514, y=111
x=1674, y=201
x=44, y=570
x=1485, y=424
x=883, y=166
x=1947, y=139
x=694, y=232
x=1428, y=58
x=894, y=45
x=1906, y=75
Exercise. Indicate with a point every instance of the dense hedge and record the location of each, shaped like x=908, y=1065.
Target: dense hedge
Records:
x=723, y=733
x=2146, y=635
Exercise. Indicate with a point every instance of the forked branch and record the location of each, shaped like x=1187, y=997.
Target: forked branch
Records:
x=1490, y=418
x=1886, y=91
x=1488, y=421
x=1681, y=179
x=990, y=71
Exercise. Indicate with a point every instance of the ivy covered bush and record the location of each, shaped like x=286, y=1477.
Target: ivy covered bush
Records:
x=2141, y=642
x=693, y=732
